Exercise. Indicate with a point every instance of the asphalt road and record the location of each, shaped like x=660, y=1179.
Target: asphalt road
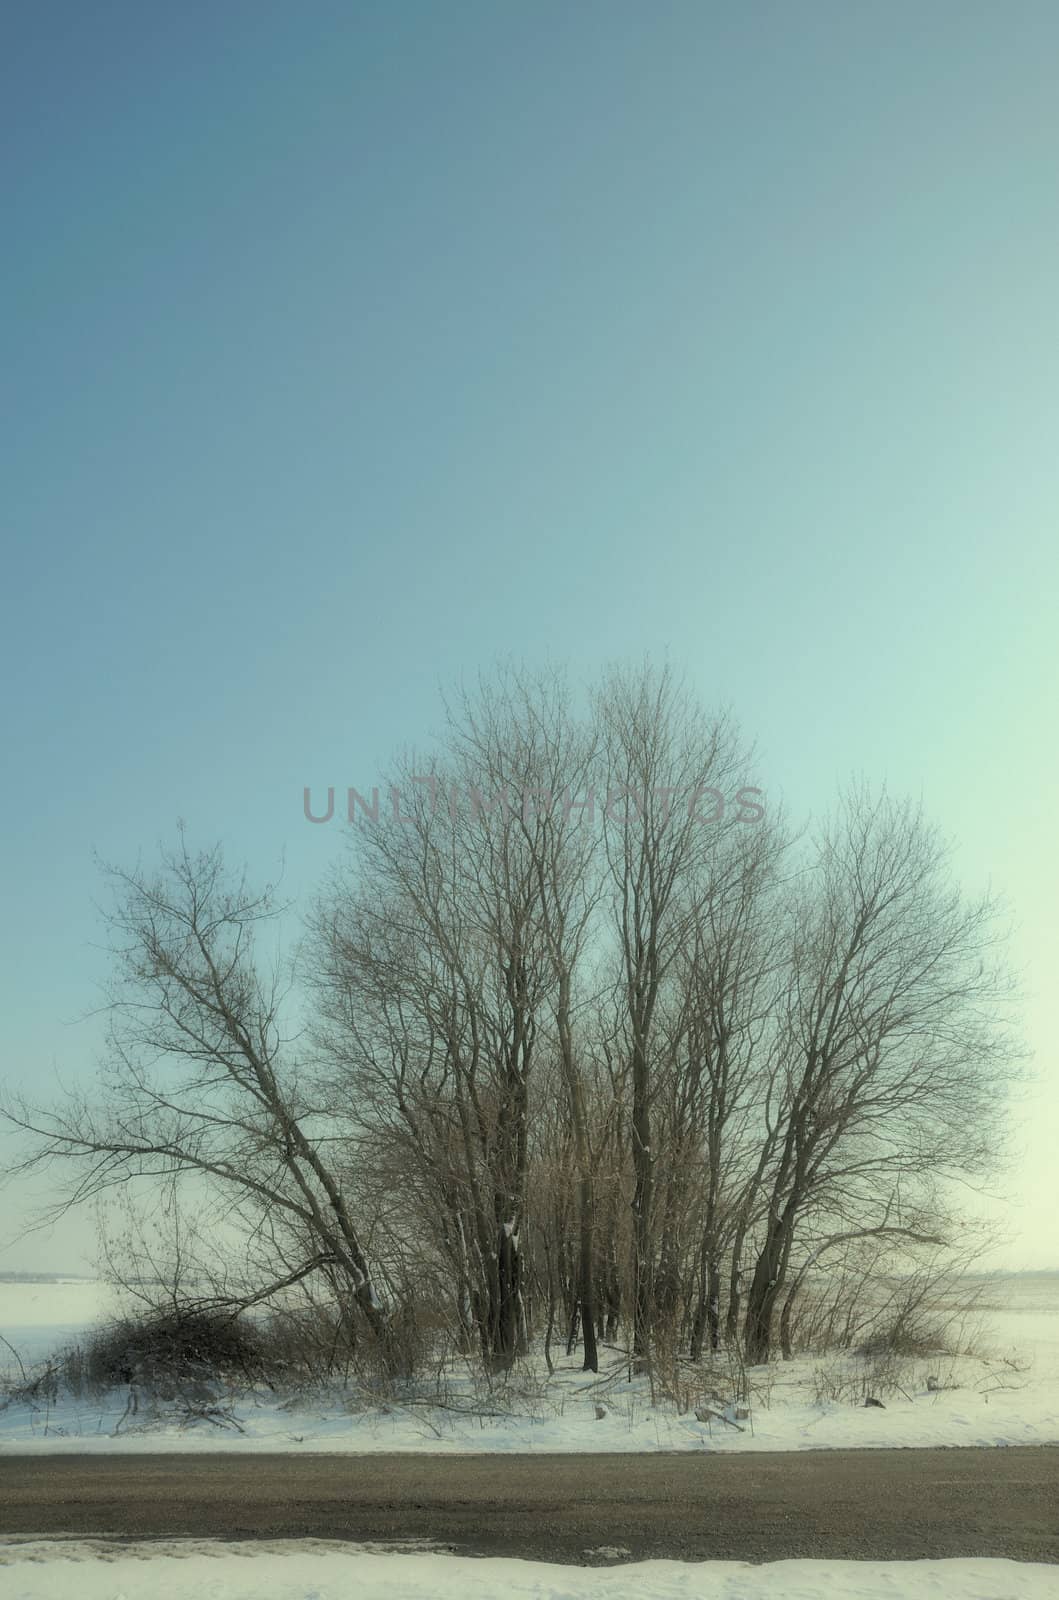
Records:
x=848, y=1504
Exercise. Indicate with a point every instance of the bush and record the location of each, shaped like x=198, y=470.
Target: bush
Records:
x=162, y=1352
x=907, y=1336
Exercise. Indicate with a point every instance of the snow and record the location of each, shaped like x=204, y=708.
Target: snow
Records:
x=315, y=1570
x=37, y=1317
x=1009, y=1396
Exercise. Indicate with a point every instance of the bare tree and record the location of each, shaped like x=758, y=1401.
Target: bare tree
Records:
x=668, y=771
x=577, y=1041
x=893, y=1057
x=435, y=975
x=728, y=984
x=200, y=1076
x=528, y=731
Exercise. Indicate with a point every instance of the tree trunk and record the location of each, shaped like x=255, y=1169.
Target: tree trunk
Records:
x=735, y=1293
x=698, y=1326
x=785, y=1321
x=713, y=1305
x=587, y=1278
x=643, y=1166
x=509, y=1318
x=765, y=1289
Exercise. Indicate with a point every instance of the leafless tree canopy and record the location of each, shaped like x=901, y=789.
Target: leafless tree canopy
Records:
x=590, y=1040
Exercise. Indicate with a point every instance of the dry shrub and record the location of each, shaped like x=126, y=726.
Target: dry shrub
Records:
x=163, y=1350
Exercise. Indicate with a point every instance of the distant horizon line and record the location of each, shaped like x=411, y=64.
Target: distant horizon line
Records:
x=13, y=1275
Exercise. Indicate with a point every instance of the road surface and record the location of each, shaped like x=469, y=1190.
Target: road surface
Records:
x=841, y=1504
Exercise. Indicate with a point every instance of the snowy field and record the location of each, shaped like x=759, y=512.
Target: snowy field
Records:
x=1006, y=1394
x=309, y=1570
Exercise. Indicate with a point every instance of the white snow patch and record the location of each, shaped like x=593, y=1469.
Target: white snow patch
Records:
x=318, y=1570
x=1009, y=1399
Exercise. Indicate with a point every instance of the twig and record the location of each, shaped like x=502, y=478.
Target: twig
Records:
x=17, y=1357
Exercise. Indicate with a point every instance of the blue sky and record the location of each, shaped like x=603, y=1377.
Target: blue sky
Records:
x=349, y=347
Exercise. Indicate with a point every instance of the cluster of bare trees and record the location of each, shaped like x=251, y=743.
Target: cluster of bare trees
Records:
x=571, y=1046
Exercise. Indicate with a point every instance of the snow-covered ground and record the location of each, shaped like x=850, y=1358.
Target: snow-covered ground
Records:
x=1008, y=1394
x=304, y=1570
x=35, y=1318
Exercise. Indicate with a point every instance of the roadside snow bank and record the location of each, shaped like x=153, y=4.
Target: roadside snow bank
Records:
x=311, y=1570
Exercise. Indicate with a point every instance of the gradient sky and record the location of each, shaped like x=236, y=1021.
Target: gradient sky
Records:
x=349, y=347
